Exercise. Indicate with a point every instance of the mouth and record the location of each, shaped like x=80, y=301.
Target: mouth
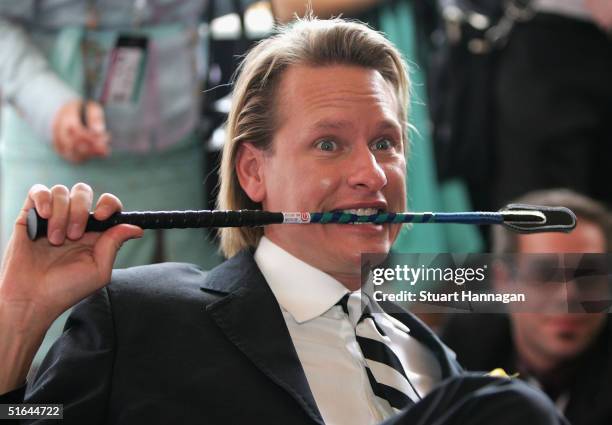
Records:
x=362, y=212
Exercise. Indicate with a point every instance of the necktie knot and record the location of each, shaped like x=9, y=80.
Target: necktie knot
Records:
x=353, y=306
x=343, y=302
x=357, y=310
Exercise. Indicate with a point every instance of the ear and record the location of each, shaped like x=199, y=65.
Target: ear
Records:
x=249, y=168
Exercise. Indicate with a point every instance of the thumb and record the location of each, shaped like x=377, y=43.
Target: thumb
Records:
x=107, y=246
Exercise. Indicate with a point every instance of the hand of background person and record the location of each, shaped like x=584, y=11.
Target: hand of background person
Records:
x=601, y=11
x=74, y=141
x=41, y=279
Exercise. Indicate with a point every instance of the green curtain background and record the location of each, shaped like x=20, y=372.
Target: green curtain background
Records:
x=424, y=192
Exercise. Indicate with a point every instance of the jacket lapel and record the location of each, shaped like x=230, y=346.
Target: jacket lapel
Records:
x=252, y=320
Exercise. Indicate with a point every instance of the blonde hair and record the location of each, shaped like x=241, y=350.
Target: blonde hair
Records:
x=308, y=41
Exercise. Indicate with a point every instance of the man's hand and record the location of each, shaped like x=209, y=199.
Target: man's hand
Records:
x=76, y=142
x=601, y=11
x=39, y=280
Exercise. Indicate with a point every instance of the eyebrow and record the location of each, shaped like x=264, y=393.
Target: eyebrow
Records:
x=333, y=125
x=343, y=124
x=389, y=125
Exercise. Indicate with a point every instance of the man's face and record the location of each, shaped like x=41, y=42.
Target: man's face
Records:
x=560, y=336
x=338, y=147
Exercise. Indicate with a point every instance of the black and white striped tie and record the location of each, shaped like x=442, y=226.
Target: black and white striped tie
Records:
x=384, y=369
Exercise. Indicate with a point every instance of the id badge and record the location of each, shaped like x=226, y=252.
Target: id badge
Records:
x=126, y=70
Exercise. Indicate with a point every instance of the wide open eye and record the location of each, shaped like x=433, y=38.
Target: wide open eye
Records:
x=326, y=145
x=383, y=144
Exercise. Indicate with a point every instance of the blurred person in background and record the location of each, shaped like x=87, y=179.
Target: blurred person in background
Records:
x=554, y=101
x=567, y=355
x=106, y=91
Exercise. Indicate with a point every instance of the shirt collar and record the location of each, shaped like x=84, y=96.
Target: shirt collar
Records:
x=303, y=290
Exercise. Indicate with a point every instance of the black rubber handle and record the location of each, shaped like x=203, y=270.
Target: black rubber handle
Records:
x=37, y=226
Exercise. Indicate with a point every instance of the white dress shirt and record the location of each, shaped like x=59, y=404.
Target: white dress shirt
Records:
x=326, y=345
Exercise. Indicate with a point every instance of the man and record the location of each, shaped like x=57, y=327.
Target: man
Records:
x=567, y=355
x=318, y=123
x=143, y=139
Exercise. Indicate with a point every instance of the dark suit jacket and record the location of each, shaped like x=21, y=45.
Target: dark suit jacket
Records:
x=168, y=344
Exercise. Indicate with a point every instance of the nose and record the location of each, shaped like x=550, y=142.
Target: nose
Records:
x=364, y=170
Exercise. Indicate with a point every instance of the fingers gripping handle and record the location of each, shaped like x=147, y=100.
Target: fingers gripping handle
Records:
x=37, y=226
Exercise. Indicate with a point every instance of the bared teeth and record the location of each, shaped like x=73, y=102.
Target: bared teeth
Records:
x=361, y=211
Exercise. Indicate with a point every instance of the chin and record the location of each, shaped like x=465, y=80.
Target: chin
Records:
x=564, y=351
x=353, y=258
x=567, y=344
x=373, y=247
